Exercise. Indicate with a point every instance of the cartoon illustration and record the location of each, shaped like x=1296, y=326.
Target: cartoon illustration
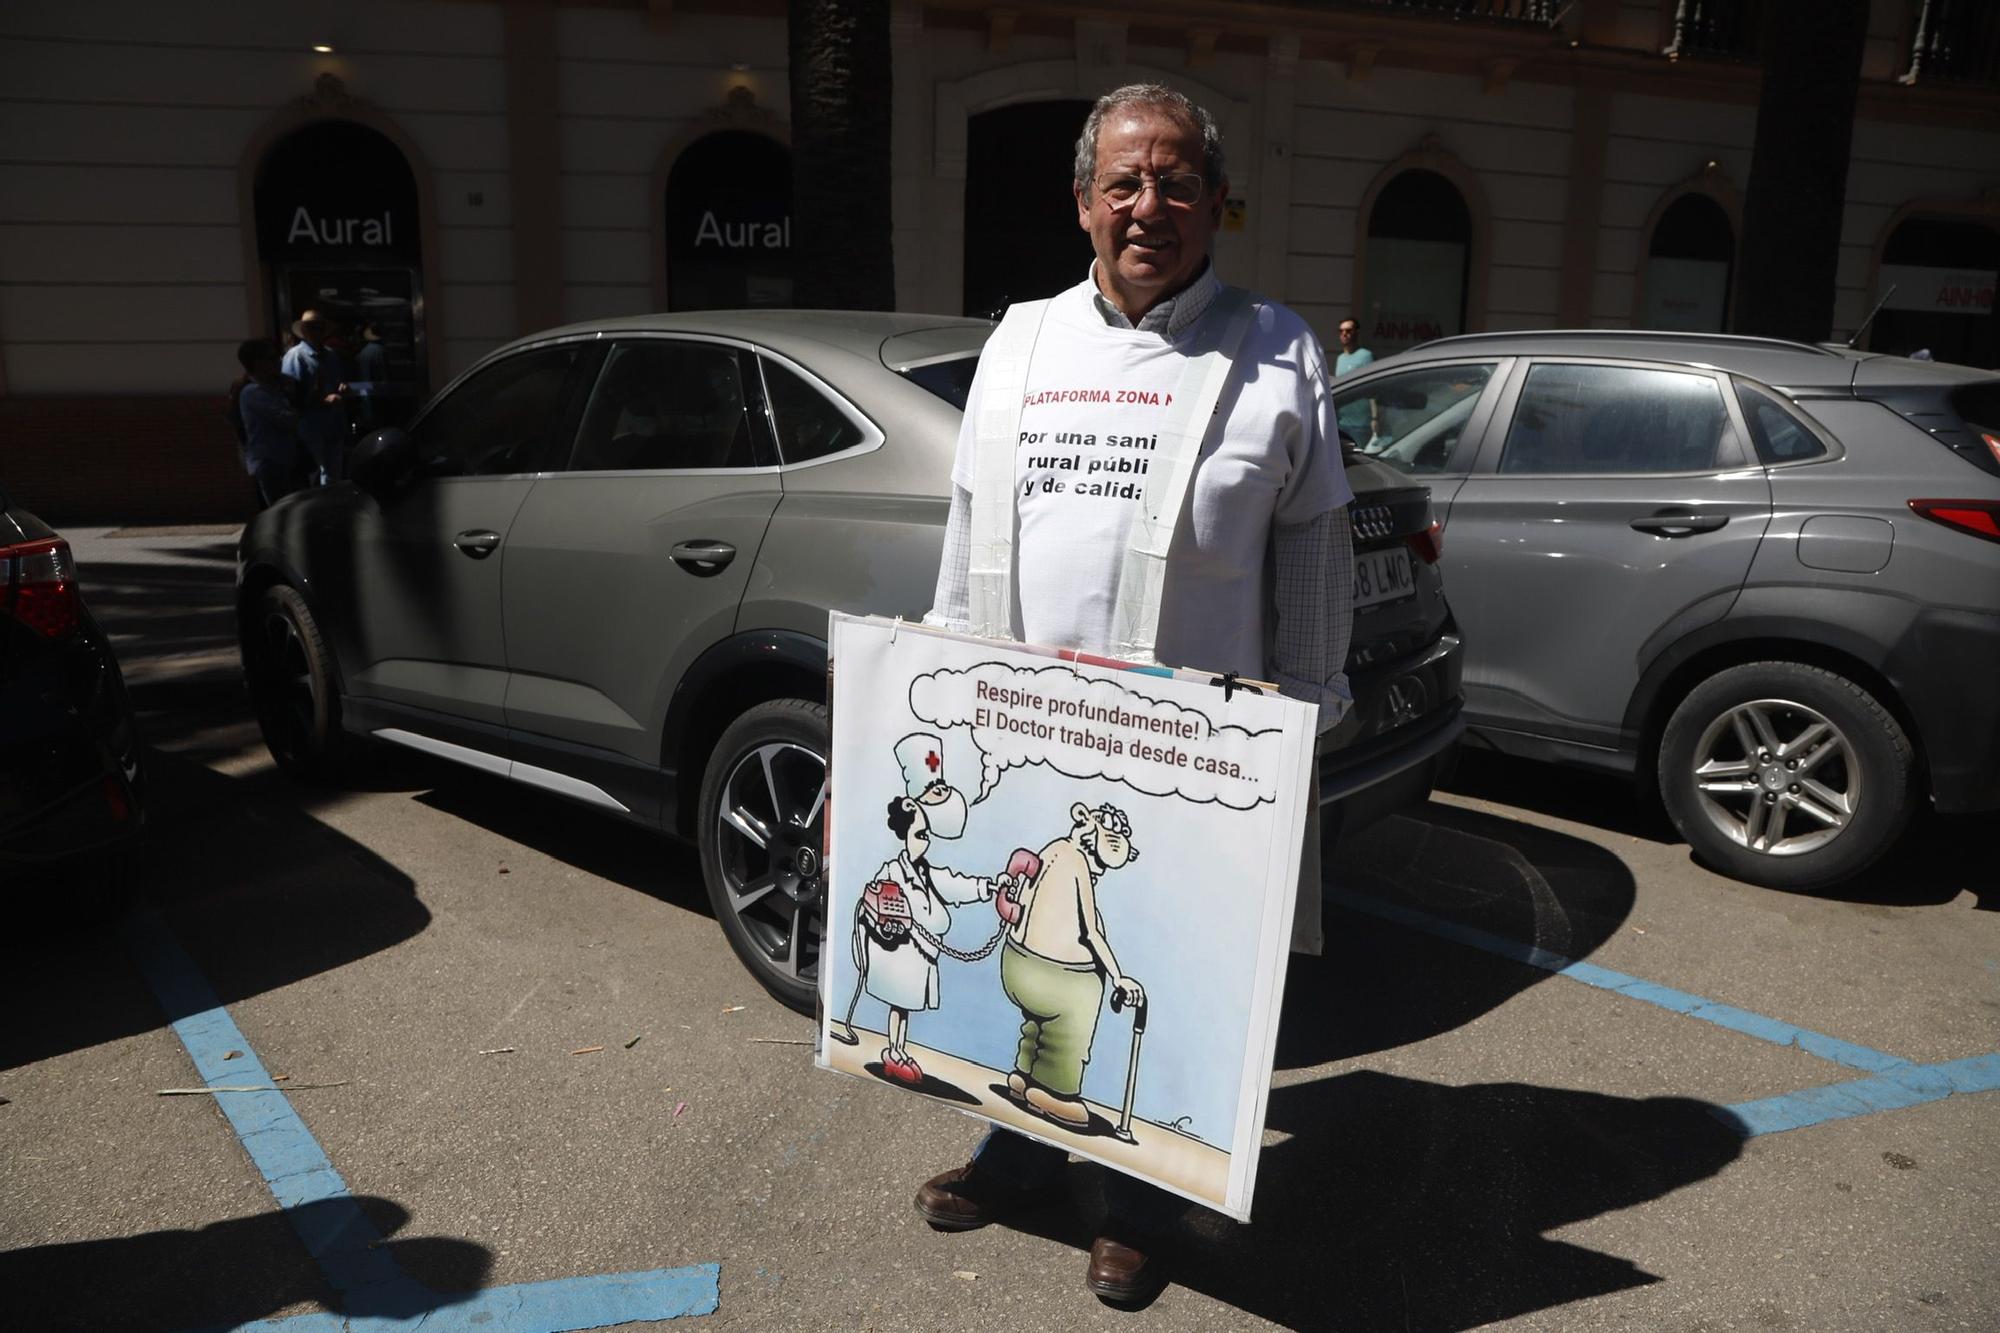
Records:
x=905, y=910
x=1056, y=963
x=1080, y=760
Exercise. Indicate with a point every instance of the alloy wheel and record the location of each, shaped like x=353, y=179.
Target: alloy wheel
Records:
x=769, y=839
x=1776, y=777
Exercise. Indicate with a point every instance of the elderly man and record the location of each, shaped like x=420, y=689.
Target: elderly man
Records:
x=1149, y=468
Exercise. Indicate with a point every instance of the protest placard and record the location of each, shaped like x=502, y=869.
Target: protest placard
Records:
x=1060, y=895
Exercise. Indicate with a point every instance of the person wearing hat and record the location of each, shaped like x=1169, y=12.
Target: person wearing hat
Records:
x=322, y=376
x=901, y=970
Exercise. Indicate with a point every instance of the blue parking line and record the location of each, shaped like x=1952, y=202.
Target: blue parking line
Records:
x=1776, y=1031
x=1914, y=1085
x=337, y=1234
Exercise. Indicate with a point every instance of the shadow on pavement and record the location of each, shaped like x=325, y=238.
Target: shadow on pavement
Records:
x=225, y=1274
x=259, y=892
x=601, y=845
x=1380, y=985
x=1401, y=1204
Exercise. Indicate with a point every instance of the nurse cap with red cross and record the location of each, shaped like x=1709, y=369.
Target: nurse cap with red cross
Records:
x=921, y=756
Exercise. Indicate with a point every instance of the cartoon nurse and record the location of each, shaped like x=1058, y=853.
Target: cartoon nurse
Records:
x=905, y=911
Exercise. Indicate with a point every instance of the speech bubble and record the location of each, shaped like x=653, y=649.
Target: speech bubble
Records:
x=1098, y=728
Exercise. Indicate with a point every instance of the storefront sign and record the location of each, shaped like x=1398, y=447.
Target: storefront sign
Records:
x=742, y=235
x=336, y=192
x=1416, y=292
x=1948, y=291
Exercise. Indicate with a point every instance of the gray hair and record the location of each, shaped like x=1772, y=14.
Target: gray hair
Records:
x=1155, y=97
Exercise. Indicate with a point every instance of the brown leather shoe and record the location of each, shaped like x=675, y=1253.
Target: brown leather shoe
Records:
x=966, y=1198
x=1121, y=1272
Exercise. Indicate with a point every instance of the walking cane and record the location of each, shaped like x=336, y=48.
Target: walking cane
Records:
x=1124, y=1131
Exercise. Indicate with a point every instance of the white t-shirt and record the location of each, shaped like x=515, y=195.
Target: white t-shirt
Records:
x=1096, y=398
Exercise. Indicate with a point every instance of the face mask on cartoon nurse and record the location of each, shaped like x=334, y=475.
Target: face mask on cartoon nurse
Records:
x=922, y=759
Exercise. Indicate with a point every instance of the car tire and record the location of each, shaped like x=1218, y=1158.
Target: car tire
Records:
x=294, y=686
x=762, y=835
x=1786, y=775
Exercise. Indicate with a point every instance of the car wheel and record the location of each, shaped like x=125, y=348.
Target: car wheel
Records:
x=1786, y=775
x=762, y=828
x=294, y=685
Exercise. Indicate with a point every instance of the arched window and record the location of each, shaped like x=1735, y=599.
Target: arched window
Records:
x=338, y=231
x=1690, y=261
x=1419, y=263
x=729, y=223
x=1021, y=237
x=1943, y=271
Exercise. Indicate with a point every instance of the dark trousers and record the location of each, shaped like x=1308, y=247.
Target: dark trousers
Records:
x=1130, y=1203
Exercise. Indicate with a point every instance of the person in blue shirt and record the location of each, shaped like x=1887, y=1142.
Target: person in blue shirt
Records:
x=322, y=376
x=272, y=454
x=1360, y=420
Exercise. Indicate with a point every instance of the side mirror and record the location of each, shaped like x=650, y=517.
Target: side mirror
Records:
x=380, y=462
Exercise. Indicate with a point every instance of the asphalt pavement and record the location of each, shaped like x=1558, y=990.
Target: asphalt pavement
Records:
x=1551, y=1074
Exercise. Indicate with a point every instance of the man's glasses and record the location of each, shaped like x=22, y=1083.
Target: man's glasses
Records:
x=1121, y=189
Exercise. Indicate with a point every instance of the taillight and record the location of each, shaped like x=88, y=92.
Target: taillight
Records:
x=1428, y=544
x=38, y=586
x=1992, y=443
x=1981, y=518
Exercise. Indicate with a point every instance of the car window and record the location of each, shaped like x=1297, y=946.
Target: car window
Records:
x=1780, y=437
x=499, y=421
x=950, y=379
x=809, y=424
x=1614, y=419
x=660, y=404
x=1414, y=419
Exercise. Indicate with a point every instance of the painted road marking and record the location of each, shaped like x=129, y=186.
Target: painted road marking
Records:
x=1897, y=1083
x=337, y=1234
x=1911, y=1086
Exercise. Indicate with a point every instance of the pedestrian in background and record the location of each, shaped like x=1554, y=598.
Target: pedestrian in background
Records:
x=1360, y=420
x=272, y=453
x=321, y=374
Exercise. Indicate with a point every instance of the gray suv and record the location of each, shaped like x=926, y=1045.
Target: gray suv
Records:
x=1761, y=576
x=600, y=563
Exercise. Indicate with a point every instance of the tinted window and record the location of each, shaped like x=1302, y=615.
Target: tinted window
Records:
x=666, y=405
x=1780, y=436
x=499, y=421
x=1614, y=419
x=950, y=380
x=1415, y=419
x=809, y=425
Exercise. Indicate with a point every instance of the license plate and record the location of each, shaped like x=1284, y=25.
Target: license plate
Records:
x=1382, y=576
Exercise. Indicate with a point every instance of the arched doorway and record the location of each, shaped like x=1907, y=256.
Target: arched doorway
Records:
x=1021, y=237
x=1943, y=272
x=339, y=231
x=729, y=223
x=1419, y=263
x=1690, y=261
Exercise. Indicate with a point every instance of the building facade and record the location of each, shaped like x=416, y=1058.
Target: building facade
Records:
x=444, y=175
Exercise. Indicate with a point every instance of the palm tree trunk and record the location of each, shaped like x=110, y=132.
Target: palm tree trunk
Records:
x=841, y=211
x=1793, y=205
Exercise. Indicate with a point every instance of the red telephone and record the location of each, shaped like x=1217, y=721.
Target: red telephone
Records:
x=1025, y=867
x=886, y=907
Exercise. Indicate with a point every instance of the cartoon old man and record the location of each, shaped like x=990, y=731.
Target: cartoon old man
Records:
x=897, y=949
x=1057, y=962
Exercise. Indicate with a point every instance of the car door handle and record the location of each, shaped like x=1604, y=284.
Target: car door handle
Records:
x=477, y=542
x=703, y=559
x=1679, y=523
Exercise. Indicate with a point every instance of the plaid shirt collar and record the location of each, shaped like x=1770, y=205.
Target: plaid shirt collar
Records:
x=1171, y=317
